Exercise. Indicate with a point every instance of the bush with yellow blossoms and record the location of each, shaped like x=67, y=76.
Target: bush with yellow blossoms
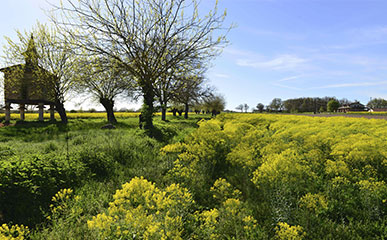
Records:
x=141, y=210
x=324, y=176
x=286, y=232
x=13, y=232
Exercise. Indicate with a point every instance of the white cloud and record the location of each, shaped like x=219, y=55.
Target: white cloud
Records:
x=287, y=87
x=239, y=52
x=282, y=62
x=354, y=84
x=220, y=75
x=289, y=78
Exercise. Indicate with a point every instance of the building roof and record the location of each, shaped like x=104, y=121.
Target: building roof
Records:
x=11, y=67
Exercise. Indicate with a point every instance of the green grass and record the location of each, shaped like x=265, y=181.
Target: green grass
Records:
x=38, y=159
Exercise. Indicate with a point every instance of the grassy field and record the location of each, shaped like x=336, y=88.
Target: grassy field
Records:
x=238, y=176
x=39, y=159
x=80, y=115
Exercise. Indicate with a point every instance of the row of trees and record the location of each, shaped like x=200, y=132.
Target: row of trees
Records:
x=156, y=50
x=308, y=104
x=377, y=103
x=242, y=107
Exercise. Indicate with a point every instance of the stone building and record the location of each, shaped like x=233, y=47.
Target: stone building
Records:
x=28, y=84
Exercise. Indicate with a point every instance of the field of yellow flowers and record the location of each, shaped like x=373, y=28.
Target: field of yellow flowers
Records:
x=70, y=115
x=237, y=176
x=299, y=177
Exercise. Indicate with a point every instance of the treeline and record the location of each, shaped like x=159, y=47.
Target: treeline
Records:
x=312, y=104
x=307, y=104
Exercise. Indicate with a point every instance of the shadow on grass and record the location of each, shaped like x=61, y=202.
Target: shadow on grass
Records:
x=162, y=134
x=31, y=131
x=40, y=131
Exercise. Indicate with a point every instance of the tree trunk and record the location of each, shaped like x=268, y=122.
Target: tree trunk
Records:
x=108, y=104
x=174, y=111
x=186, y=111
x=62, y=112
x=180, y=112
x=163, y=112
x=147, y=108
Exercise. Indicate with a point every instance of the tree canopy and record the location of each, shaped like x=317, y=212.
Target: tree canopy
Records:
x=148, y=39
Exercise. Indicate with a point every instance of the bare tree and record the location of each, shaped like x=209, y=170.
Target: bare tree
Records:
x=239, y=107
x=1, y=90
x=191, y=92
x=245, y=107
x=147, y=38
x=105, y=82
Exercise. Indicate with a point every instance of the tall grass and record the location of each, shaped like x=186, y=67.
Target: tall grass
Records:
x=39, y=159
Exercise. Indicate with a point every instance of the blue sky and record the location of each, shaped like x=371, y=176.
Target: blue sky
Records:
x=280, y=48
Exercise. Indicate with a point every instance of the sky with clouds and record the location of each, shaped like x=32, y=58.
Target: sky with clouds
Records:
x=279, y=48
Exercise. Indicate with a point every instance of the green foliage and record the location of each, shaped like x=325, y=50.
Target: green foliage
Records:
x=307, y=104
x=312, y=177
x=142, y=210
x=39, y=159
x=31, y=181
x=237, y=176
x=232, y=220
x=377, y=103
x=333, y=105
x=276, y=104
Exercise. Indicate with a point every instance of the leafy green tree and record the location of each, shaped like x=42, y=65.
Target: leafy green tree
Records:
x=147, y=38
x=260, y=107
x=276, y=104
x=214, y=104
x=333, y=105
x=377, y=103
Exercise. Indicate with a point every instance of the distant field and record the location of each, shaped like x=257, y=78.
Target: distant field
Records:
x=83, y=115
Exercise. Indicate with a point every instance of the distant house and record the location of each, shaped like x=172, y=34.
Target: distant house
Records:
x=353, y=107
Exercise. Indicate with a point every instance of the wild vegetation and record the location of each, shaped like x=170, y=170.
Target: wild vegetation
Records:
x=39, y=159
x=238, y=176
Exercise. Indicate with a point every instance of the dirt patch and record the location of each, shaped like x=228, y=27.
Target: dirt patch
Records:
x=6, y=125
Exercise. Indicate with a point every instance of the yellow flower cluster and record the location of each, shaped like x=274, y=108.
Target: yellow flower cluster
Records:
x=286, y=232
x=60, y=202
x=223, y=190
x=330, y=167
x=230, y=221
x=141, y=210
x=13, y=232
x=316, y=203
